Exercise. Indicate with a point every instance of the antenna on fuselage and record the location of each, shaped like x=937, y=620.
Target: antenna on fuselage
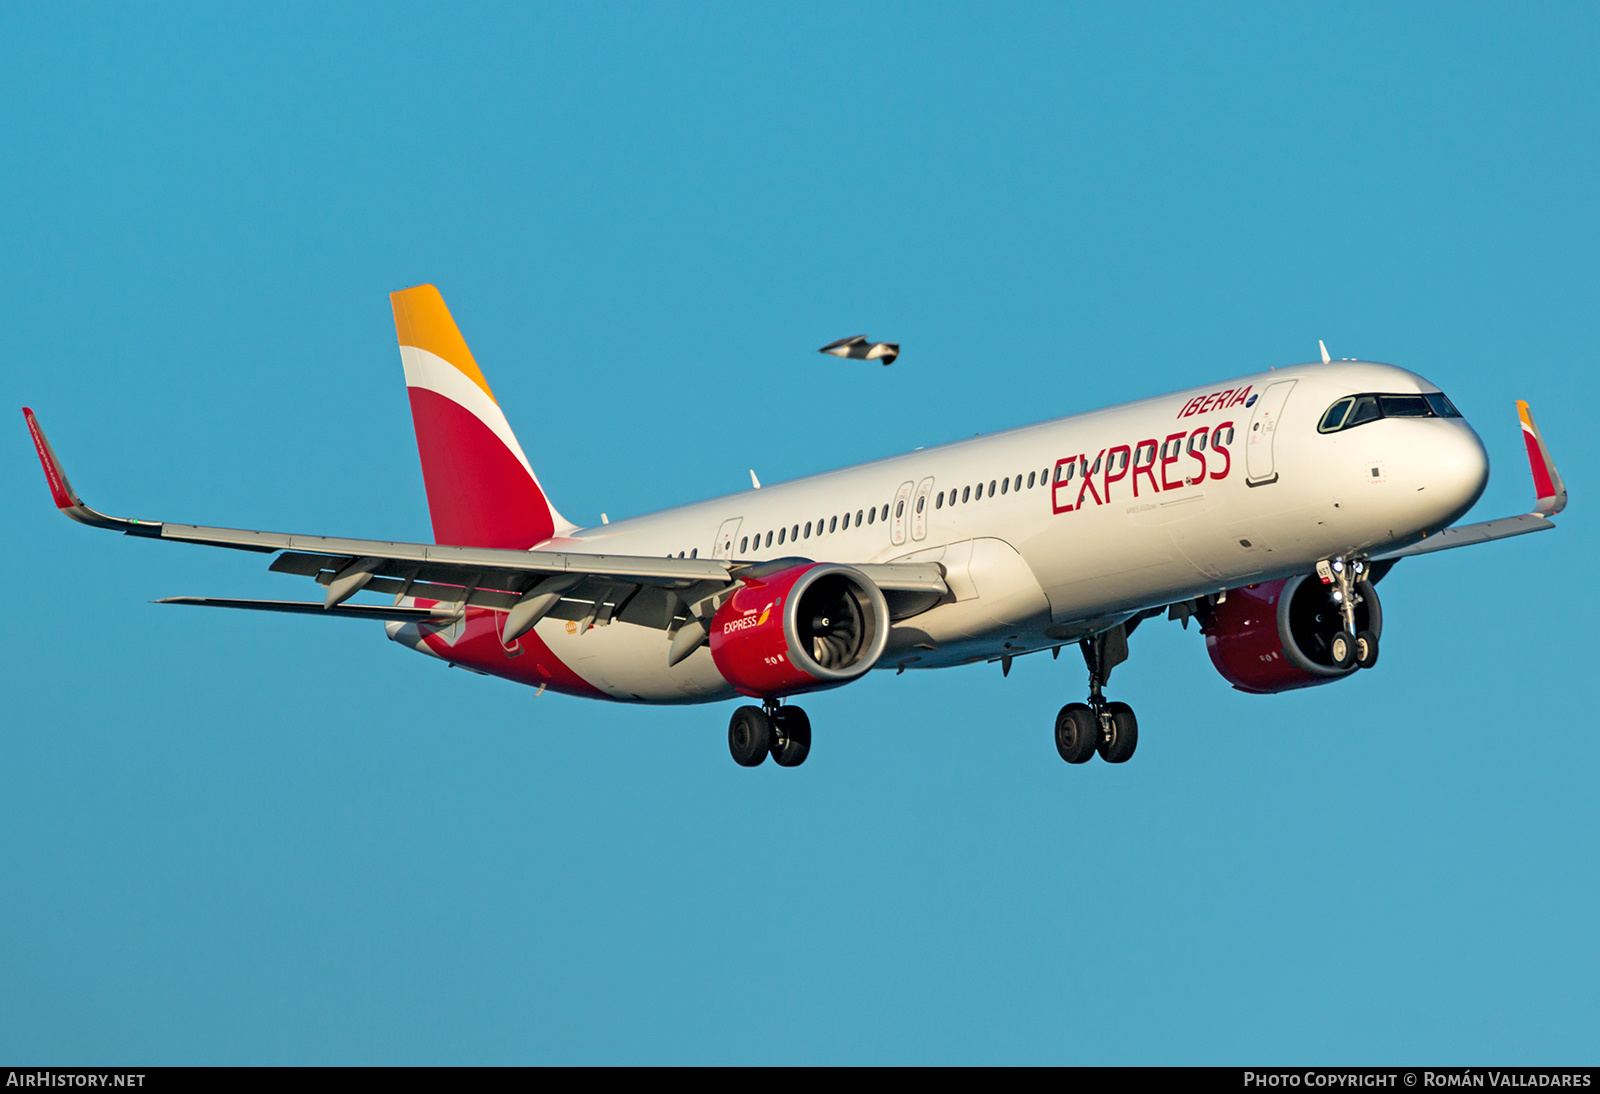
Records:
x=1323, y=347
x=755, y=482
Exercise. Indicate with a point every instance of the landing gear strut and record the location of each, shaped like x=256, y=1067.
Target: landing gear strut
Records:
x=1349, y=647
x=783, y=731
x=1109, y=728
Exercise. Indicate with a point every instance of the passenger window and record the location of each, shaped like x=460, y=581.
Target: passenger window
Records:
x=744, y=545
x=1095, y=470
x=938, y=503
x=966, y=493
x=808, y=529
x=794, y=535
x=1044, y=476
x=885, y=510
x=1018, y=484
x=780, y=535
x=858, y=518
x=899, y=508
x=1031, y=475
x=833, y=524
x=872, y=515
x=1442, y=406
x=991, y=488
x=1005, y=484
x=922, y=503
x=1404, y=406
x=695, y=553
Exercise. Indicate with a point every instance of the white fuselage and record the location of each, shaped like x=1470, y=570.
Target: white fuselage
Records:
x=1034, y=566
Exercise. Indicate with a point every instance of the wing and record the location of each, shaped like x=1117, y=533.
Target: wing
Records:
x=527, y=584
x=841, y=343
x=1550, y=498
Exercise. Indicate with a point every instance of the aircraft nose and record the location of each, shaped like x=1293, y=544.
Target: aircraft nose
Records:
x=1458, y=469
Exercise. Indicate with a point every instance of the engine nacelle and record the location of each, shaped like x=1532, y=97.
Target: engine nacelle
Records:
x=813, y=625
x=1276, y=636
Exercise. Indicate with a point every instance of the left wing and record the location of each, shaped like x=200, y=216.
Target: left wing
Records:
x=527, y=584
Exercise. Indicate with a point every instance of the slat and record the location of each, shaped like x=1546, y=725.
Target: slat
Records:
x=1467, y=534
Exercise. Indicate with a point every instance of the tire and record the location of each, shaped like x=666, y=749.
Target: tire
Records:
x=1366, y=649
x=1124, y=735
x=1077, y=731
x=1342, y=649
x=791, y=739
x=749, y=736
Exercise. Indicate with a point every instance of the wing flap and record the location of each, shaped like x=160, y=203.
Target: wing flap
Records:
x=297, y=607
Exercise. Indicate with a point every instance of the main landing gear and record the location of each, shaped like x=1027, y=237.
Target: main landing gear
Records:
x=783, y=731
x=1349, y=646
x=1099, y=726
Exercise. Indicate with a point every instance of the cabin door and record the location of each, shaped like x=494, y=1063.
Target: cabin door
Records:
x=723, y=548
x=1260, y=469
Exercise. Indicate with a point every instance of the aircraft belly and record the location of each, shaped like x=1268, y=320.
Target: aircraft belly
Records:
x=629, y=663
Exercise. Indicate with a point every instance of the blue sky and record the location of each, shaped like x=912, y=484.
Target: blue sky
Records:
x=235, y=839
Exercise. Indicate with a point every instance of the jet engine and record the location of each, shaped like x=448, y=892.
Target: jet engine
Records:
x=807, y=627
x=1275, y=636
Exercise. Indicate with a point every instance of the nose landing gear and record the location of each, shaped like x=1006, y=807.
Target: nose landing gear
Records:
x=1099, y=726
x=1349, y=646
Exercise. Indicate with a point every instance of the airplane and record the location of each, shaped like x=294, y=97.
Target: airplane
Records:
x=1266, y=507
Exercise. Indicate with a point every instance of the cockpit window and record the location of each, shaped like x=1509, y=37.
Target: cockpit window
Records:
x=1405, y=406
x=1442, y=406
x=1366, y=410
x=1354, y=410
x=1333, y=419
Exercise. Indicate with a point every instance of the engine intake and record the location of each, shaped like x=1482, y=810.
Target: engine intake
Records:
x=1276, y=636
x=810, y=626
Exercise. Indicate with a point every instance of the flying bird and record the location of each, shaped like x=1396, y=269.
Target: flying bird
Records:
x=859, y=349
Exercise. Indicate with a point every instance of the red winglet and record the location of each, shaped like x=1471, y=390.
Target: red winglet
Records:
x=1547, y=484
x=60, y=489
x=66, y=498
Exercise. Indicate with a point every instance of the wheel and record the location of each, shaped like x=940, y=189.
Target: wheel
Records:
x=1366, y=649
x=1076, y=733
x=749, y=736
x=1342, y=648
x=791, y=738
x=1124, y=735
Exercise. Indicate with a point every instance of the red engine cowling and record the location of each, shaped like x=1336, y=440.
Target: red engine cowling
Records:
x=811, y=626
x=1275, y=636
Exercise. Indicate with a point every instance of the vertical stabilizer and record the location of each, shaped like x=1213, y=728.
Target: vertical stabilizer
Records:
x=481, y=490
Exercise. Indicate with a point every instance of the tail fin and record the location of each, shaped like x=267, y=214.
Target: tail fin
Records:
x=481, y=491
